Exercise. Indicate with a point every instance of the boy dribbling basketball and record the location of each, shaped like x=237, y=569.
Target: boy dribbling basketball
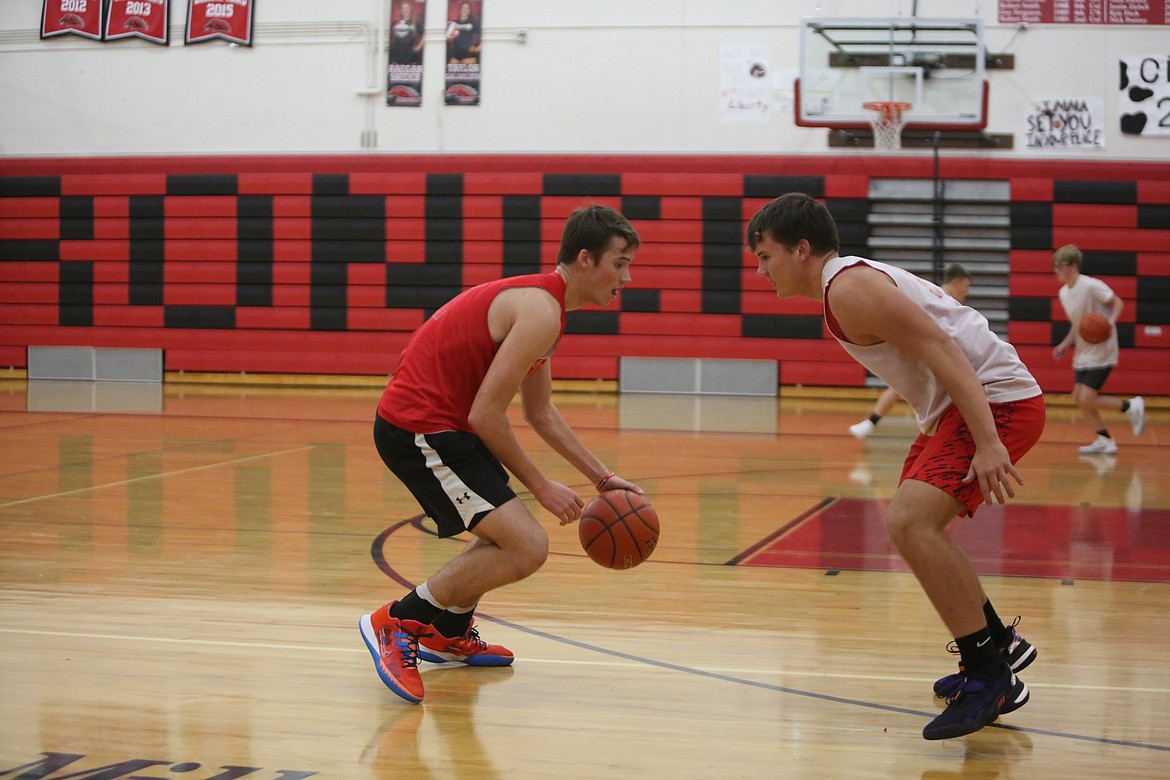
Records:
x=978, y=408
x=442, y=428
x=1079, y=295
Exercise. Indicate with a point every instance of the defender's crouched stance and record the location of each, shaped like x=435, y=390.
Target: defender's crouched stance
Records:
x=978, y=408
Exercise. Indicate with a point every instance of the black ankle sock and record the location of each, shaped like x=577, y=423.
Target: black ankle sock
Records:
x=1125, y=406
x=875, y=418
x=1104, y=432
x=979, y=655
x=999, y=632
x=452, y=624
x=415, y=607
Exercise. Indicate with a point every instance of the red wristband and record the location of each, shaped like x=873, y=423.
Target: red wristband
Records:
x=601, y=482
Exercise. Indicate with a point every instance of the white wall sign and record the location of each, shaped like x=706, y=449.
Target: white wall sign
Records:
x=1062, y=123
x=745, y=87
x=1145, y=95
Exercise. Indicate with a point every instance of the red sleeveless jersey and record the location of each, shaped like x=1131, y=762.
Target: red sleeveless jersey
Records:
x=445, y=361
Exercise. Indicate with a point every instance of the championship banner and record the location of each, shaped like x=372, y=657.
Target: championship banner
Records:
x=147, y=19
x=405, y=67
x=79, y=17
x=464, y=37
x=230, y=20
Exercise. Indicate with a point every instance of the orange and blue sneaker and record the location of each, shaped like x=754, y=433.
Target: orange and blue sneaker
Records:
x=467, y=649
x=394, y=645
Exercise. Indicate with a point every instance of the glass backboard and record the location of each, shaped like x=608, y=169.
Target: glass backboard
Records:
x=936, y=65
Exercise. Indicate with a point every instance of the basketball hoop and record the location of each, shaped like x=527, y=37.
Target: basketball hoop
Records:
x=887, y=123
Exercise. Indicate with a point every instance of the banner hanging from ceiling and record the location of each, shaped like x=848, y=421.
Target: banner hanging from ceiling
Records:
x=72, y=17
x=464, y=40
x=404, y=71
x=146, y=19
x=228, y=20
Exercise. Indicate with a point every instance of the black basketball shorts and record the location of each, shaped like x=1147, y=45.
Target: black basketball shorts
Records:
x=452, y=474
x=1092, y=377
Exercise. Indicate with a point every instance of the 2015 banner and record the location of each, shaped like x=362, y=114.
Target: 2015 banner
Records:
x=76, y=17
x=229, y=20
x=404, y=70
x=147, y=19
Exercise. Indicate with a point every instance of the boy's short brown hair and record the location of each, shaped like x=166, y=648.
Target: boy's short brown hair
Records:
x=1069, y=254
x=791, y=217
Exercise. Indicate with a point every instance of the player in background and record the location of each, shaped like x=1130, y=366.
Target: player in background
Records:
x=1079, y=295
x=956, y=283
x=978, y=408
x=442, y=428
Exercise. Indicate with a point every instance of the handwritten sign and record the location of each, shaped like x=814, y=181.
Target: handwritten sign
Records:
x=1063, y=123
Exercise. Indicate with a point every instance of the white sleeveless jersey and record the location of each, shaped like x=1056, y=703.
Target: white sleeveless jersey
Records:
x=1090, y=295
x=1003, y=375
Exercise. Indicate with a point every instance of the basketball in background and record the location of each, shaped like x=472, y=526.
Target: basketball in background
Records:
x=618, y=529
x=1094, y=328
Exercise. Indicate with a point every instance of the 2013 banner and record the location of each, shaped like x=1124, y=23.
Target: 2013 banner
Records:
x=464, y=41
x=229, y=20
x=404, y=70
x=76, y=17
x=147, y=19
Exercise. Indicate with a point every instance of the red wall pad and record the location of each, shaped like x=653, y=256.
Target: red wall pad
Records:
x=327, y=263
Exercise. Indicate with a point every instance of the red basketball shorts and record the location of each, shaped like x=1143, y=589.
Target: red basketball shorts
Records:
x=942, y=460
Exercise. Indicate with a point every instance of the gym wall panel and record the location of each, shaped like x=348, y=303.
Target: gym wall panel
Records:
x=326, y=264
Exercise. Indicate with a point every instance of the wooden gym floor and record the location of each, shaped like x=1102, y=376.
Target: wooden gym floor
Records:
x=182, y=569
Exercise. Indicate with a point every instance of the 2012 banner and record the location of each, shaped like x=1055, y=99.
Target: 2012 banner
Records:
x=229, y=20
x=75, y=17
x=147, y=19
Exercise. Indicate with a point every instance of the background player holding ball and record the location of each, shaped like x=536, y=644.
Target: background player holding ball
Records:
x=442, y=428
x=1094, y=357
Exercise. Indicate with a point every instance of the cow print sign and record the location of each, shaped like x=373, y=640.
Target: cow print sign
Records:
x=1145, y=95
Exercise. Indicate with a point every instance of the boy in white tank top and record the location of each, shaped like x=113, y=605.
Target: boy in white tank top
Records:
x=956, y=283
x=978, y=408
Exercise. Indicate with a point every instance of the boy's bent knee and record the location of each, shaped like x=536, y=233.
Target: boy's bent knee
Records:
x=534, y=555
x=919, y=509
x=899, y=525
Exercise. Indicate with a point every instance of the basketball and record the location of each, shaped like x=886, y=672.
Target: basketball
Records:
x=618, y=529
x=1095, y=328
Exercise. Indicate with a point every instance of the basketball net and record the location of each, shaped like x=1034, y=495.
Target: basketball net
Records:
x=887, y=123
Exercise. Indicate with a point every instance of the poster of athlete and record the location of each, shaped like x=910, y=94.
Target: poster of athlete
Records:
x=408, y=21
x=464, y=40
x=147, y=19
x=76, y=17
x=229, y=20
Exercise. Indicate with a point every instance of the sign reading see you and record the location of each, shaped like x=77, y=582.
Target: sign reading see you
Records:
x=1145, y=95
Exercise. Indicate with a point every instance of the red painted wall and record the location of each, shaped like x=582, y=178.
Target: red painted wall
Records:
x=324, y=264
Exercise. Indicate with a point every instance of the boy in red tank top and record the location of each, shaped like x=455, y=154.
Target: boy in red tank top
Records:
x=442, y=428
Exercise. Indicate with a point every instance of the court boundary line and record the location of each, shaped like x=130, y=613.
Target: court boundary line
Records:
x=380, y=561
x=614, y=664
x=780, y=532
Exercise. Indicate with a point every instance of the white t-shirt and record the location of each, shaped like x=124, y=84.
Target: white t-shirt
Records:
x=1003, y=375
x=1089, y=295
